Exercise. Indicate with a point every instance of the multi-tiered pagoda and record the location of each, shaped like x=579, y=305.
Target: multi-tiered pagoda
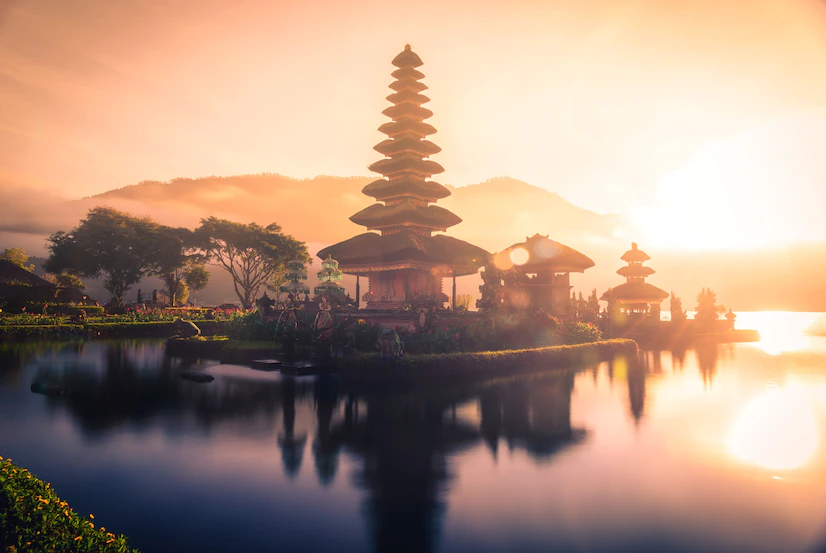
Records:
x=405, y=261
x=636, y=295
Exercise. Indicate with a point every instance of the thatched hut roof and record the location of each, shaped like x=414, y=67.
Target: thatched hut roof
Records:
x=370, y=252
x=407, y=73
x=546, y=255
x=407, y=143
x=407, y=58
x=635, y=271
x=405, y=212
x=408, y=95
x=406, y=165
x=384, y=189
x=15, y=274
x=408, y=84
x=635, y=255
x=637, y=292
x=415, y=128
x=407, y=109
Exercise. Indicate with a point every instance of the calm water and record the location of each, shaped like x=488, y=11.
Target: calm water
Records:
x=717, y=449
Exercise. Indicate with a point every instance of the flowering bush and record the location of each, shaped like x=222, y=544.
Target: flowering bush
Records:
x=452, y=337
x=579, y=333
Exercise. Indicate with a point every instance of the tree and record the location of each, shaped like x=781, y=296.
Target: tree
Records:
x=109, y=243
x=19, y=257
x=677, y=312
x=706, y=308
x=196, y=278
x=177, y=255
x=66, y=280
x=591, y=309
x=251, y=254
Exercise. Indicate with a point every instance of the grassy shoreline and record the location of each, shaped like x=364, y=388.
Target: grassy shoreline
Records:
x=34, y=519
x=138, y=329
x=373, y=369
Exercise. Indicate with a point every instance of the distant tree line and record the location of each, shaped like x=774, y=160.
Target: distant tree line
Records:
x=122, y=248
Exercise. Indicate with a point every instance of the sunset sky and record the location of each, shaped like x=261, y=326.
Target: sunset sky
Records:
x=673, y=111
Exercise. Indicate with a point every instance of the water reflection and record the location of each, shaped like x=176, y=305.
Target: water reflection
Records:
x=535, y=462
x=777, y=429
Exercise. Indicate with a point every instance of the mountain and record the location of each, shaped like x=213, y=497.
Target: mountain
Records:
x=495, y=213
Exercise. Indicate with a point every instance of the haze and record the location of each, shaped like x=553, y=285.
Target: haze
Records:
x=700, y=122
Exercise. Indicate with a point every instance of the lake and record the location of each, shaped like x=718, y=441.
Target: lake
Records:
x=719, y=448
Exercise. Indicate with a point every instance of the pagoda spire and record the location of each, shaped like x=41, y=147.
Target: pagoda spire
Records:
x=635, y=271
x=405, y=189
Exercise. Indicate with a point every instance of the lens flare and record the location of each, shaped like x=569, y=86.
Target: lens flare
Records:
x=776, y=430
x=519, y=256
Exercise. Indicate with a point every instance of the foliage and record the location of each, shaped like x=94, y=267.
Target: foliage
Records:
x=678, y=314
x=706, y=308
x=591, y=309
x=34, y=519
x=108, y=242
x=67, y=280
x=196, y=278
x=176, y=257
x=19, y=257
x=577, y=332
x=251, y=254
x=453, y=337
x=463, y=301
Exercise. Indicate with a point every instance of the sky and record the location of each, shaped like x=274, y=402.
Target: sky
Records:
x=701, y=119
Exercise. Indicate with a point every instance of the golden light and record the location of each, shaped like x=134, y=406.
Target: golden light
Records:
x=776, y=430
x=519, y=256
x=780, y=331
x=502, y=261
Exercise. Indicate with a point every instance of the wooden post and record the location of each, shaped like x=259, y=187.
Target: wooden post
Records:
x=454, y=292
x=358, y=291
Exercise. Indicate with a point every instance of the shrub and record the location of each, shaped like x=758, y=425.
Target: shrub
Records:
x=34, y=519
x=579, y=333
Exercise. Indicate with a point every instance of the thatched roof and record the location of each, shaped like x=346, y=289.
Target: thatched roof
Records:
x=637, y=292
x=546, y=255
x=407, y=109
x=407, y=143
x=405, y=212
x=407, y=73
x=370, y=251
x=407, y=58
x=11, y=273
x=408, y=84
x=416, y=128
x=408, y=95
x=409, y=165
x=635, y=255
x=383, y=189
x=635, y=271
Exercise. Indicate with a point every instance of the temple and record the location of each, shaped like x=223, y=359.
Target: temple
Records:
x=404, y=261
x=636, y=296
x=541, y=270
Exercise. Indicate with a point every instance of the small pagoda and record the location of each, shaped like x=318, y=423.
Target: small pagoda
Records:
x=636, y=296
x=541, y=268
x=404, y=261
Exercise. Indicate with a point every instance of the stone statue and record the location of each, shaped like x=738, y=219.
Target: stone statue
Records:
x=390, y=345
x=185, y=329
x=265, y=305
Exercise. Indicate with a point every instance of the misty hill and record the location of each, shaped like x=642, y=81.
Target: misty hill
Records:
x=495, y=213
x=318, y=209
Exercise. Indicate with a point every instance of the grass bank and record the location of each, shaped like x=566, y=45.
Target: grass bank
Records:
x=370, y=368
x=138, y=329
x=33, y=519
